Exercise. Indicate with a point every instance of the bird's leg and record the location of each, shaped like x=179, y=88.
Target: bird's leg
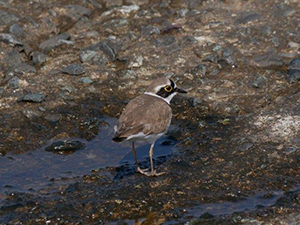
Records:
x=153, y=172
x=151, y=157
x=136, y=161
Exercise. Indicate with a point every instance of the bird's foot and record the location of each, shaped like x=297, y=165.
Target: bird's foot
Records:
x=150, y=174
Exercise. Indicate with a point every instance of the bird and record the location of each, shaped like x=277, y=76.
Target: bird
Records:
x=147, y=117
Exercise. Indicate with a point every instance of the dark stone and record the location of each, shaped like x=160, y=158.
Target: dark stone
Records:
x=53, y=119
x=199, y=70
x=54, y=42
x=266, y=30
x=10, y=39
x=30, y=114
x=65, y=147
x=86, y=80
x=293, y=73
x=275, y=41
x=116, y=23
x=38, y=126
x=77, y=11
x=246, y=146
x=107, y=48
x=13, y=83
x=24, y=68
x=207, y=216
x=12, y=58
x=92, y=57
x=11, y=207
x=227, y=52
x=172, y=48
x=211, y=58
x=268, y=60
x=290, y=150
x=164, y=41
x=247, y=18
x=38, y=58
x=215, y=72
x=7, y=18
x=33, y=98
x=1, y=91
x=16, y=30
x=187, y=41
x=113, y=3
x=228, y=60
x=259, y=82
x=73, y=69
x=95, y=4
x=148, y=30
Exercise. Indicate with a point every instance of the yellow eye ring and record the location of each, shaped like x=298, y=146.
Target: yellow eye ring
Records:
x=168, y=88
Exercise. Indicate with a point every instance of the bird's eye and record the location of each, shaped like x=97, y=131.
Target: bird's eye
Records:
x=168, y=88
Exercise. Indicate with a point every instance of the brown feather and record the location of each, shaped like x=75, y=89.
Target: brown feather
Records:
x=145, y=113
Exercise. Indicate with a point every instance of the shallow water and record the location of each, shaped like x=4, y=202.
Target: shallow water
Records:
x=34, y=170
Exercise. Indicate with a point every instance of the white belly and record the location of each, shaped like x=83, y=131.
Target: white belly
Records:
x=140, y=137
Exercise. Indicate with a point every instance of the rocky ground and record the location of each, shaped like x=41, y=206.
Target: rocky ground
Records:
x=66, y=65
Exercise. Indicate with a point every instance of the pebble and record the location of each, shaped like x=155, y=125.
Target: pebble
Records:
x=268, y=60
x=1, y=91
x=53, y=118
x=294, y=45
x=53, y=42
x=136, y=62
x=248, y=18
x=7, y=18
x=23, y=68
x=73, y=69
x=13, y=83
x=275, y=41
x=16, y=30
x=76, y=12
x=33, y=98
x=183, y=12
x=95, y=4
x=293, y=73
x=10, y=39
x=259, y=82
x=38, y=58
x=172, y=48
x=188, y=41
x=211, y=58
x=199, y=70
x=30, y=114
x=65, y=146
x=164, y=41
x=92, y=57
x=11, y=58
x=149, y=30
x=106, y=49
x=113, y=3
x=230, y=60
x=130, y=74
x=217, y=48
x=116, y=23
x=246, y=146
x=86, y=80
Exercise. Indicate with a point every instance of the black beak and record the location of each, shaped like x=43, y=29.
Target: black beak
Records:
x=180, y=91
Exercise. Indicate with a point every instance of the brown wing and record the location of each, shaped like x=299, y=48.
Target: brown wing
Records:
x=145, y=113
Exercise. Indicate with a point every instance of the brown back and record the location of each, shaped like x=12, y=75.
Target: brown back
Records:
x=145, y=113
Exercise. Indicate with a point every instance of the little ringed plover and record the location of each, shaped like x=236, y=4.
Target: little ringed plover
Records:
x=147, y=117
